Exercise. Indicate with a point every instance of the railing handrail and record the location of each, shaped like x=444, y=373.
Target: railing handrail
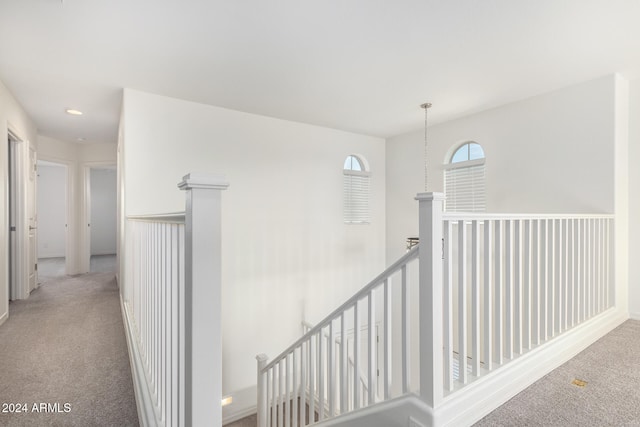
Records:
x=480, y=216
x=411, y=254
x=174, y=217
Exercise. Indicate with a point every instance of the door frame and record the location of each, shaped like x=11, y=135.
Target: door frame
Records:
x=16, y=207
x=69, y=196
x=85, y=216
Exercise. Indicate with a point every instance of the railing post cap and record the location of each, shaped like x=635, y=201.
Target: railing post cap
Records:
x=262, y=357
x=430, y=196
x=203, y=180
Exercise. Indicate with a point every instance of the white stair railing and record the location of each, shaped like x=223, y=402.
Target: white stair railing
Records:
x=514, y=282
x=351, y=373
x=314, y=373
x=491, y=288
x=171, y=306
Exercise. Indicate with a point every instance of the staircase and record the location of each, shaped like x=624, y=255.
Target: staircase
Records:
x=481, y=308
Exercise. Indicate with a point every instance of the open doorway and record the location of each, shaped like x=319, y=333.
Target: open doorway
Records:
x=103, y=217
x=52, y=205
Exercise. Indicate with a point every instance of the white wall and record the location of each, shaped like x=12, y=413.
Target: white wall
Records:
x=12, y=117
x=551, y=153
x=634, y=199
x=78, y=157
x=52, y=210
x=287, y=255
x=103, y=211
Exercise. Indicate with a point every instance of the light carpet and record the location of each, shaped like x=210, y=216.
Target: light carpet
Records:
x=611, y=396
x=63, y=358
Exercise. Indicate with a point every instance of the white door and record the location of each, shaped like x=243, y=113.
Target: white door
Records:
x=33, y=220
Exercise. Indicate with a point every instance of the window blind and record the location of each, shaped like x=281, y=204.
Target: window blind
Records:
x=356, y=197
x=464, y=189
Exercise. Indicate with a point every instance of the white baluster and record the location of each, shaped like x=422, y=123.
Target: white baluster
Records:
x=475, y=298
x=387, y=339
x=372, y=350
x=488, y=306
x=344, y=365
x=498, y=332
x=356, y=357
x=447, y=306
x=508, y=290
x=406, y=333
x=462, y=302
x=263, y=385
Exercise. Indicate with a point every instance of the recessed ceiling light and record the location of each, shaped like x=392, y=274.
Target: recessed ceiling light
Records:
x=73, y=112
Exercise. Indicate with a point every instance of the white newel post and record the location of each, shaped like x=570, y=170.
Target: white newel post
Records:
x=202, y=329
x=430, y=297
x=262, y=391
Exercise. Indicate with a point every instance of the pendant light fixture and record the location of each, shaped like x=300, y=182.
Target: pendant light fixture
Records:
x=412, y=241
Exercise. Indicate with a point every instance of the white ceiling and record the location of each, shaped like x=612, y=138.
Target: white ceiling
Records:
x=358, y=65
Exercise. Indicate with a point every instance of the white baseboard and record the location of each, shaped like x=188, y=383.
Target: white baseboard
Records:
x=634, y=315
x=144, y=402
x=478, y=399
x=45, y=254
x=244, y=404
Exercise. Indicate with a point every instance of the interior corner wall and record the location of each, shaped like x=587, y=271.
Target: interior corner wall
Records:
x=287, y=254
x=552, y=153
x=14, y=118
x=634, y=200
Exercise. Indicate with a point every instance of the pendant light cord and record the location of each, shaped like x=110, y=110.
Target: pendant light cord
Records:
x=426, y=107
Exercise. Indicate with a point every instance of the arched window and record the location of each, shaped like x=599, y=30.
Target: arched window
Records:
x=464, y=179
x=356, y=190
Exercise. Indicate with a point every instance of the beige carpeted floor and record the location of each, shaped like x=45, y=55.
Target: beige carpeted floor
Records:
x=611, y=396
x=63, y=358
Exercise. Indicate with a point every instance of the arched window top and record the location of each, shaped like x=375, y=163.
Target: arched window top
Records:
x=354, y=163
x=468, y=151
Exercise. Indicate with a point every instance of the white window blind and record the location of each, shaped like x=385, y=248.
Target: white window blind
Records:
x=464, y=188
x=356, y=197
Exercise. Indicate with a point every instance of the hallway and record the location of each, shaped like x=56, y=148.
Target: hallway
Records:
x=64, y=357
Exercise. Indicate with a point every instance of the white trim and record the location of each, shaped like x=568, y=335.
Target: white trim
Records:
x=21, y=254
x=480, y=216
x=4, y=317
x=144, y=401
x=634, y=315
x=206, y=181
x=239, y=414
